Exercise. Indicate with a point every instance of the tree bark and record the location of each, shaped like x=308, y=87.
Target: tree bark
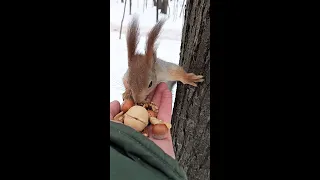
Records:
x=191, y=114
x=157, y=12
x=164, y=6
x=130, y=5
x=182, y=7
x=158, y=3
x=175, y=9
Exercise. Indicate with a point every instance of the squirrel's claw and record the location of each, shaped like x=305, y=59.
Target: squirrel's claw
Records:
x=191, y=79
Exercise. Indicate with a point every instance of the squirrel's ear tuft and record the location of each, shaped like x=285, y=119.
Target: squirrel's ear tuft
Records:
x=132, y=37
x=151, y=39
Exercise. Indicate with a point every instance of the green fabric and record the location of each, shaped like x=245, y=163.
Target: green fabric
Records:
x=133, y=156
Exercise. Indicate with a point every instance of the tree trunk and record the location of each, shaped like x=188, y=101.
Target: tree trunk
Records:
x=124, y=12
x=122, y=1
x=130, y=5
x=175, y=9
x=157, y=12
x=182, y=7
x=191, y=114
x=164, y=6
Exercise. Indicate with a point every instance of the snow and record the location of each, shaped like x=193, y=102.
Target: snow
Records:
x=169, y=41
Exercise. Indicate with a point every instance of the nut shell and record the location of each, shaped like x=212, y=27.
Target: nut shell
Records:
x=139, y=113
x=119, y=117
x=168, y=125
x=137, y=118
x=134, y=123
x=155, y=121
x=159, y=131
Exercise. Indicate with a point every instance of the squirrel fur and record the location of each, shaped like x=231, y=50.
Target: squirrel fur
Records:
x=146, y=71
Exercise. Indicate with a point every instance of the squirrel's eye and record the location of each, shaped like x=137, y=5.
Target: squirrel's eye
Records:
x=150, y=84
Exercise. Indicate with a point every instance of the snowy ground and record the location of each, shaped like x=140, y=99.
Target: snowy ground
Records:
x=169, y=40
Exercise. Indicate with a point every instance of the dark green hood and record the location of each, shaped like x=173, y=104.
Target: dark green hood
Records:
x=133, y=156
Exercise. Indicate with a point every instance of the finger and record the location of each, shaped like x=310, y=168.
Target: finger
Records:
x=165, y=109
x=114, y=108
x=158, y=93
x=165, y=144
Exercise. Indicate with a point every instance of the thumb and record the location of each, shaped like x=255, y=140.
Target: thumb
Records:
x=114, y=108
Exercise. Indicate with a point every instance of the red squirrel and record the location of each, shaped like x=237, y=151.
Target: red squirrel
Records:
x=146, y=71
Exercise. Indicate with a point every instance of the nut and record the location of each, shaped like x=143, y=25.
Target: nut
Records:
x=139, y=112
x=151, y=113
x=168, y=125
x=119, y=117
x=151, y=106
x=134, y=123
x=159, y=131
x=137, y=118
x=155, y=121
x=126, y=105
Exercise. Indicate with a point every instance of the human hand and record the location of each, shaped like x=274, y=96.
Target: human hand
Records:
x=115, y=109
x=162, y=97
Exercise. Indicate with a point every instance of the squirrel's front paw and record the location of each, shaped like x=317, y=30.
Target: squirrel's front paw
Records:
x=191, y=78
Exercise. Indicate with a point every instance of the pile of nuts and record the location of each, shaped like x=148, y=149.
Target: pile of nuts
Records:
x=138, y=117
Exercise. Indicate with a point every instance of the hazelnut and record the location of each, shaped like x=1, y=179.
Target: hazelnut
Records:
x=126, y=105
x=159, y=131
x=137, y=118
